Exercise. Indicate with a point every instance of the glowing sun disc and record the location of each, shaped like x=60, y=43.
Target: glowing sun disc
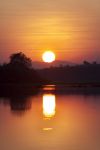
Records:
x=48, y=56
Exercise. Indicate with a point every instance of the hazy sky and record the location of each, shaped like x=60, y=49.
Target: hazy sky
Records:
x=71, y=28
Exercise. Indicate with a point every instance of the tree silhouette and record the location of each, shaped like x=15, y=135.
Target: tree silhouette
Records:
x=86, y=63
x=19, y=71
x=20, y=59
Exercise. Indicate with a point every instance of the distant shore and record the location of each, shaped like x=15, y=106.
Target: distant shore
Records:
x=24, y=90
x=50, y=84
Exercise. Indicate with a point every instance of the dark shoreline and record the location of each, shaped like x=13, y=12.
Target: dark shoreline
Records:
x=39, y=85
x=17, y=90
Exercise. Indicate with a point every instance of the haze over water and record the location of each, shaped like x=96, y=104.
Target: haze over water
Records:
x=51, y=120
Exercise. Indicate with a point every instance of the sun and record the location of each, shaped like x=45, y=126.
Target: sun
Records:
x=48, y=56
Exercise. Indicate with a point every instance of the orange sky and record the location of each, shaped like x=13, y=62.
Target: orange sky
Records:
x=70, y=28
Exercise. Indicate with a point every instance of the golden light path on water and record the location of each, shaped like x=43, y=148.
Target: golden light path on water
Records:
x=49, y=105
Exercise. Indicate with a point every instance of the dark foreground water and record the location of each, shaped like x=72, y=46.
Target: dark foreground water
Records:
x=51, y=119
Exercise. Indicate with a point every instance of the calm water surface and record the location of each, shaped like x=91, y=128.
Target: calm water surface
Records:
x=50, y=120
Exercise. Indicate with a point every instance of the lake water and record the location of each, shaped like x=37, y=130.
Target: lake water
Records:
x=51, y=119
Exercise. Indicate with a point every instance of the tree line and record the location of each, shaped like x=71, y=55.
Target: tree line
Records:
x=19, y=70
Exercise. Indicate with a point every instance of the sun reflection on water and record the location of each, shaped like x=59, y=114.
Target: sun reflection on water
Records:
x=49, y=105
